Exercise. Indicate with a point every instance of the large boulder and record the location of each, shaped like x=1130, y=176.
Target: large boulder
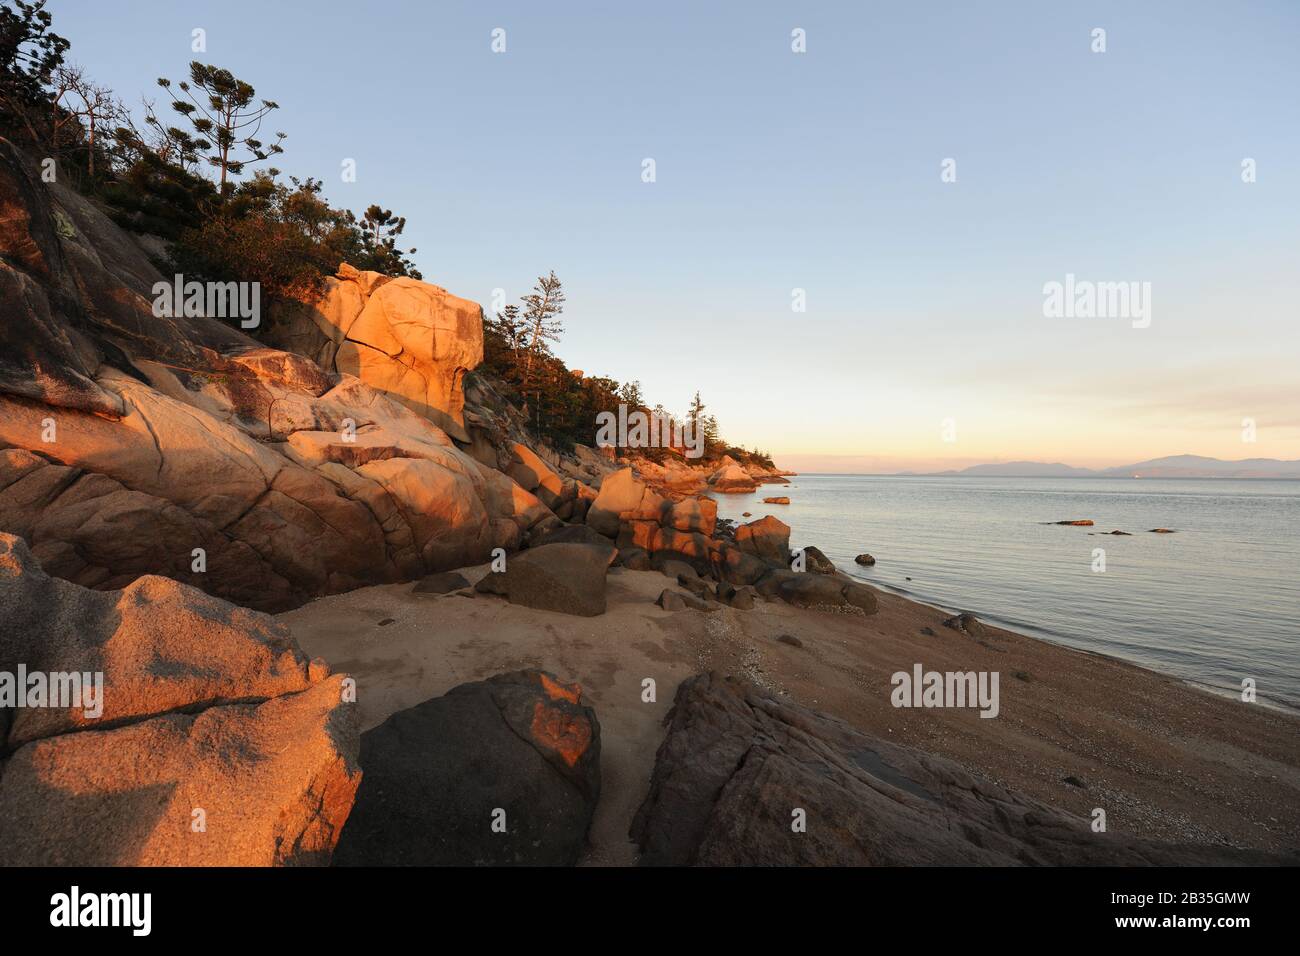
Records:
x=501, y=771
x=160, y=645
x=568, y=578
x=739, y=766
x=732, y=479
x=211, y=741
x=734, y=566
x=239, y=785
x=408, y=339
x=767, y=538
x=698, y=515
x=623, y=496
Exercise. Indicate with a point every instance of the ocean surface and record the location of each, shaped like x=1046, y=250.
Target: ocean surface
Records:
x=1214, y=603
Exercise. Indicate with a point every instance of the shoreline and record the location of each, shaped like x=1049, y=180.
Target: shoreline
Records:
x=1114, y=630
x=1048, y=636
x=1167, y=759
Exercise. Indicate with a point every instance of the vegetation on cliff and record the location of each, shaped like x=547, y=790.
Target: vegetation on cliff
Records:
x=188, y=178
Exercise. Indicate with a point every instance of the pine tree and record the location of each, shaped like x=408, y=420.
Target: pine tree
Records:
x=630, y=395
x=228, y=123
x=542, y=309
x=696, y=410
x=541, y=321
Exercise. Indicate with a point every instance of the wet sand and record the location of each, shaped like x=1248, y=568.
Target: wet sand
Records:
x=1164, y=759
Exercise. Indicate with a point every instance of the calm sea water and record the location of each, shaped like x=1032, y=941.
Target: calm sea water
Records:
x=1214, y=603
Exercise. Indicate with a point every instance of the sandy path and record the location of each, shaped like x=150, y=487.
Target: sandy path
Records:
x=1164, y=759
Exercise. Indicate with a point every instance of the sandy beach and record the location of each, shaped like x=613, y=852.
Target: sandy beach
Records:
x=1165, y=759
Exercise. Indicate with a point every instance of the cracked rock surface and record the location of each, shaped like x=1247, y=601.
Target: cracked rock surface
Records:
x=218, y=743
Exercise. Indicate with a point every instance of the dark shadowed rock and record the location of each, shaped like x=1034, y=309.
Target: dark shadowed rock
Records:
x=741, y=598
x=441, y=583
x=634, y=559
x=738, y=763
x=569, y=578
x=735, y=566
x=817, y=562
x=860, y=596
x=812, y=590
x=789, y=639
x=568, y=534
x=769, y=585
x=966, y=623
x=693, y=584
x=435, y=774
x=671, y=600
x=673, y=567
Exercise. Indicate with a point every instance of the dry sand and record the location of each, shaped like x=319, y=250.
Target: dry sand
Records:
x=1164, y=759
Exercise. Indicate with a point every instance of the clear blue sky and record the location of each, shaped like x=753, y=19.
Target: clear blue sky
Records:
x=820, y=171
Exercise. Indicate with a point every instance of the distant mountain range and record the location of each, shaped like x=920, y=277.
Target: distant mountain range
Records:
x=1174, y=466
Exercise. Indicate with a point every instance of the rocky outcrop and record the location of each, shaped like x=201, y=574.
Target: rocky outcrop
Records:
x=767, y=538
x=746, y=778
x=133, y=444
x=624, y=497
x=504, y=771
x=216, y=742
x=408, y=339
x=731, y=479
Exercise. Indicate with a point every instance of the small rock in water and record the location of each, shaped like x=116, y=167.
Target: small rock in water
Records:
x=1162, y=531
x=866, y=559
x=776, y=501
x=1078, y=522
